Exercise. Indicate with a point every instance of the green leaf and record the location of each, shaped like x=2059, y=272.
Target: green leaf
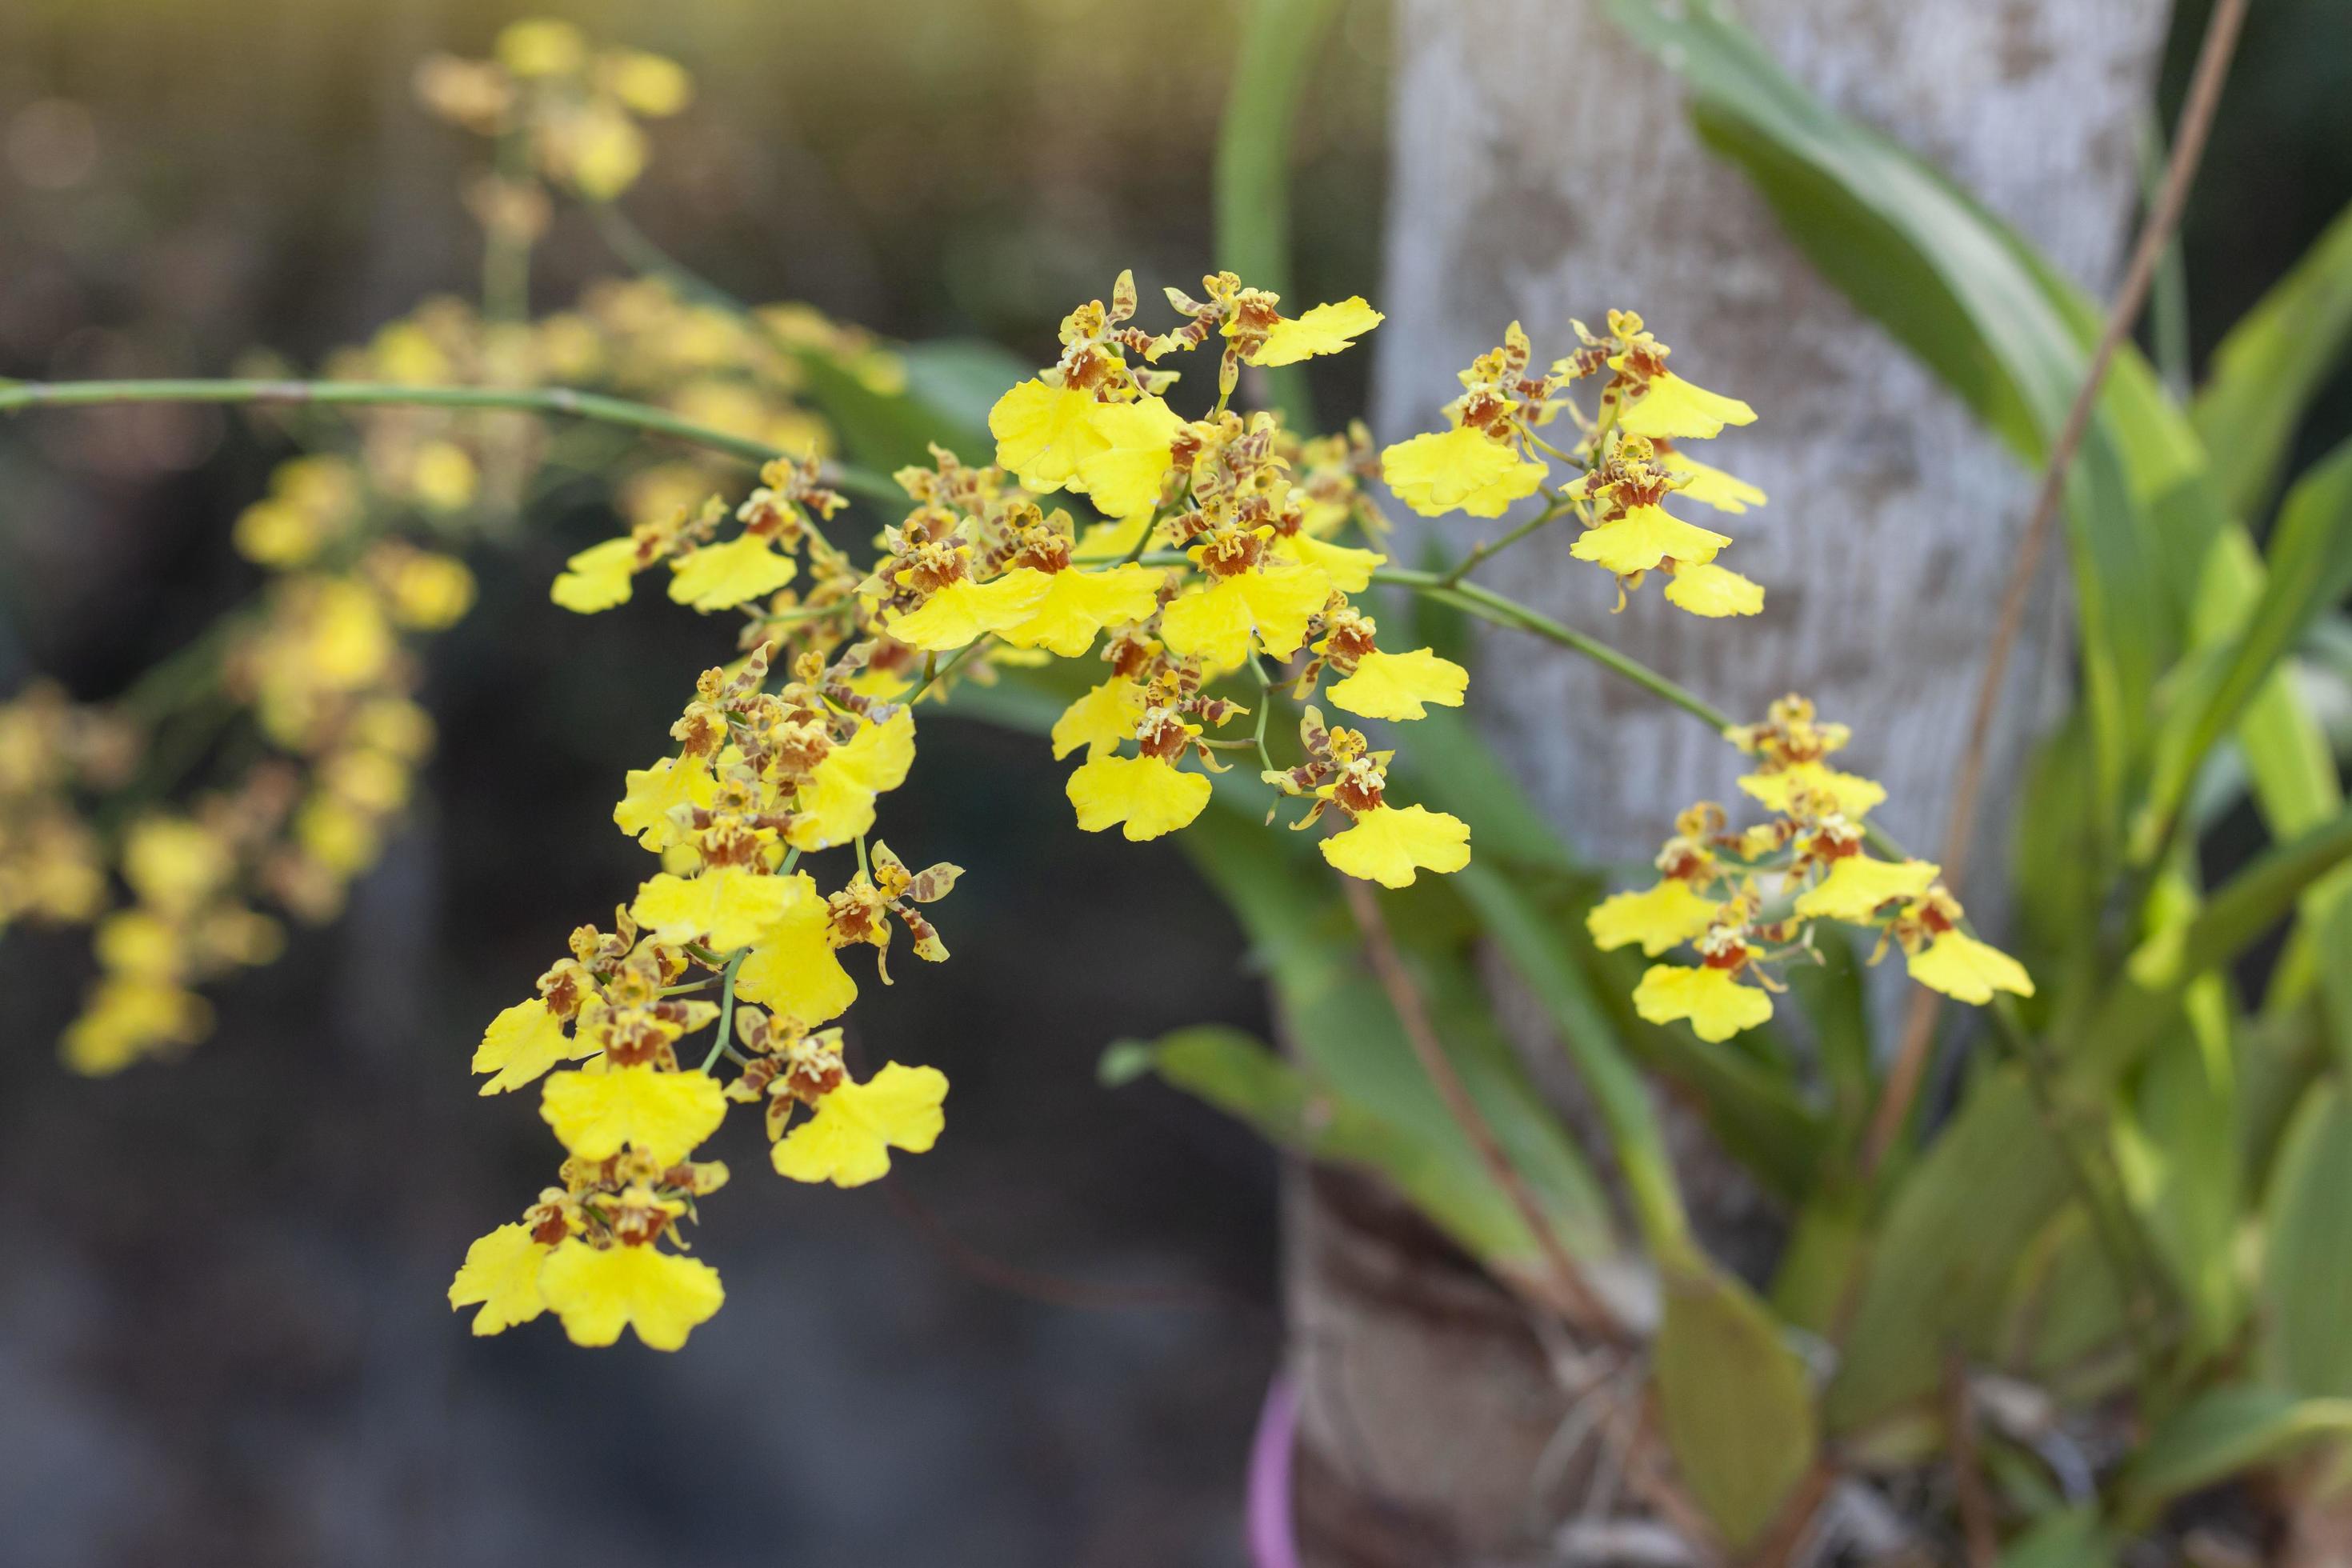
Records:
x=1965, y=295
x=1947, y=1248
x=1533, y=946
x=2244, y=910
x=1238, y=1075
x=2266, y=371
x=2074, y=1538
x=2307, y=1284
x=2221, y=1432
x=2310, y=568
x=1350, y=1039
x=1735, y=1403
x=956, y=382
x=1831, y=994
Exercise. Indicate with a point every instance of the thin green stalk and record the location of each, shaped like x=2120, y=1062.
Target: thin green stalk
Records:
x=726, y=1007
x=1265, y=710
x=1494, y=548
x=941, y=672
x=17, y=395
x=1489, y=606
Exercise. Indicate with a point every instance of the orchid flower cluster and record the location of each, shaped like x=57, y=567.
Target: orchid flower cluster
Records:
x=321, y=667
x=1209, y=567
x=1628, y=453
x=1748, y=901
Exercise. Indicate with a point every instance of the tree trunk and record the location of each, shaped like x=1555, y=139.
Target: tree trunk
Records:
x=1545, y=170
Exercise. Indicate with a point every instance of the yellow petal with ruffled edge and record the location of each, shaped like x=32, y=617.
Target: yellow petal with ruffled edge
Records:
x=1349, y=568
x=722, y=576
x=1390, y=843
x=1643, y=537
x=1705, y=589
x=1043, y=433
x=848, y=1140
x=653, y=793
x=1396, y=685
x=730, y=905
x=837, y=802
x=1216, y=622
x=1717, y=1006
x=1074, y=605
x=1100, y=720
x=1857, y=886
x=500, y=1275
x=598, y=578
x=964, y=610
x=1658, y=918
x=1852, y=794
x=523, y=1042
x=598, y=1291
x=1967, y=969
x=1459, y=469
x=1325, y=330
x=792, y=970
x=1710, y=486
x=664, y=1114
x=1679, y=410
x=1149, y=796
x=1123, y=474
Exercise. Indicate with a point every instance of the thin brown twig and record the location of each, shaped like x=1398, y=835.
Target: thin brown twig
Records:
x=1052, y=1289
x=2212, y=68
x=1575, y=1298
x=1788, y=1532
x=1978, y=1527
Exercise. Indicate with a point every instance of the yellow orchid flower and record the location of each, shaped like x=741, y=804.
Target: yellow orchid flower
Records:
x=1396, y=685
x=1217, y=622
x=500, y=1275
x=1459, y=470
x=661, y=1114
x=597, y=1291
x=848, y=1140
x=1324, y=330
x=1389, y=843
x=1968, y=969
x=1858, y=887
x=523, y=1042
x=838, y=803
x=1658, y=918
x=722, y=576
x=1643, y=537
x=1150, y=796
x=1717, y=1004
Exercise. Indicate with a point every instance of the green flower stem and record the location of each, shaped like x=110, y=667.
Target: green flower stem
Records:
x=1489, y=606
x=17, y=395
x=1481, y=552
x=726, y=1007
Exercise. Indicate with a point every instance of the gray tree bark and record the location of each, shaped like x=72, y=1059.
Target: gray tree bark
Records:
x=1544, y=170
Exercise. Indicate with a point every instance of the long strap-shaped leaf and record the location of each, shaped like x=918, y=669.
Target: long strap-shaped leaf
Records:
x=2267, y=368
x=1947, y=278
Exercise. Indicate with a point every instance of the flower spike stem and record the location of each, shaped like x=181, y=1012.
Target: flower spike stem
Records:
x=726, y=1007
x=2213, y=54
x=17, y=395
x=1484, y=551
x=1489, y=606
x=1574, y=1297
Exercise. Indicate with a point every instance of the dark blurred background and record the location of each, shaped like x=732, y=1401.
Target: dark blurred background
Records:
x=221, y=1335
